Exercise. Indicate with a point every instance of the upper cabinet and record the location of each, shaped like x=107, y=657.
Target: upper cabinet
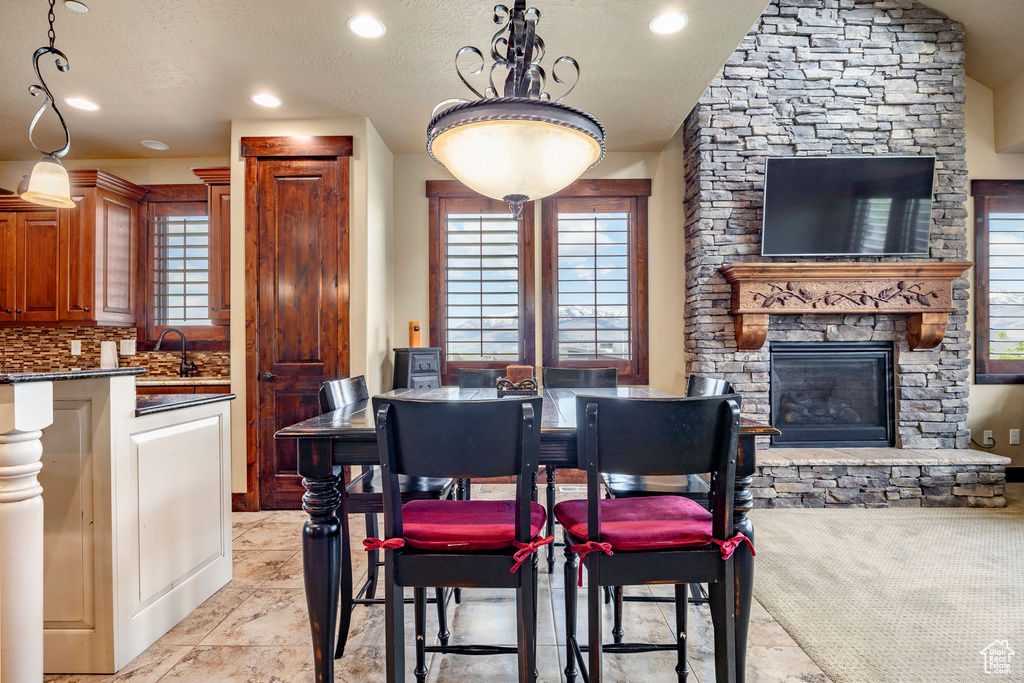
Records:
x=218, y=198
x=71, y=265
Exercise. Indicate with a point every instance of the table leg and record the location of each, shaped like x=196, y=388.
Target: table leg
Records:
x=345, y=614
x=743, y=501
x=551, y=517
x=321, y=559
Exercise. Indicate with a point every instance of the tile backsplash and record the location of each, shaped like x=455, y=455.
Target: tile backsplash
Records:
x=49, y=348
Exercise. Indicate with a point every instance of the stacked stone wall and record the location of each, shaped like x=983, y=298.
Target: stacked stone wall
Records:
x=876, y=486
x=822, y=78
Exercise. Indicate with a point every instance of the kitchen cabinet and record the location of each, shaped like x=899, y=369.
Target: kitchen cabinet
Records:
x=28, y=262
x=98, y=250
x=218, y=200
x=37, y=267
x=8, y=274
x=183, y=389
x=71, y=265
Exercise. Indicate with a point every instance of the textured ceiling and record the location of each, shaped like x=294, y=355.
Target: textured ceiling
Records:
x=992, y=37
x=179, y=71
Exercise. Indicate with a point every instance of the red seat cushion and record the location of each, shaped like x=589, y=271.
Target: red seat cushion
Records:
x=652, y=523
x=465, y=524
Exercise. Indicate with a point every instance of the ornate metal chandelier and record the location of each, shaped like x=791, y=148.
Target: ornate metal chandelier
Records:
x=49, y=184
x=523, y=145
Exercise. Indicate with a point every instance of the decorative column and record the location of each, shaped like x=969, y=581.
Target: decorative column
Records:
x=25, y=409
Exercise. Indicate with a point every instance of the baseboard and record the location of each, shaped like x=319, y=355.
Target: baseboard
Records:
x=240, y=502
x=1014, y=475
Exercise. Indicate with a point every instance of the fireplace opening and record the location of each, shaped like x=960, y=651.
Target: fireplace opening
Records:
x=832, y=394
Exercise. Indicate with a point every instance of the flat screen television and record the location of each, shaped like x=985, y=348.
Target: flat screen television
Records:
x=847, y=206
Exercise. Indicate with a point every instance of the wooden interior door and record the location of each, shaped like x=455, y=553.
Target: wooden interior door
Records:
x=302, y=308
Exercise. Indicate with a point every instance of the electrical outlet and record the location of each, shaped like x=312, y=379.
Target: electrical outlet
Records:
x=76, y=347
x=986, y=437
x=127, y=347
x=1014, y=437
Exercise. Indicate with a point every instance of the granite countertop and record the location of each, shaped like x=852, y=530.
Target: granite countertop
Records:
x=56, y=375
x=159, y=403
x=182, y=381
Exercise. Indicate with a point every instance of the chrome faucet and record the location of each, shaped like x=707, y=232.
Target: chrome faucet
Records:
x=187, y=367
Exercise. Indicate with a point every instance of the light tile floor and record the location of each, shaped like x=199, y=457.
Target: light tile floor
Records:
x=255, y=630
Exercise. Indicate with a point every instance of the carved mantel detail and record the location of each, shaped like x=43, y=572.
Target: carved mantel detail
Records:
x=922, y=291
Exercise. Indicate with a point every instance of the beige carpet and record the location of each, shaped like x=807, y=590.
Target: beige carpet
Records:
x=878, y=596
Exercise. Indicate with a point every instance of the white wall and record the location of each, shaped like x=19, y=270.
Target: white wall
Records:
x=1008, y=103
x=139, y=171
x=370, y=291
x=665, y=250
x=999, y=407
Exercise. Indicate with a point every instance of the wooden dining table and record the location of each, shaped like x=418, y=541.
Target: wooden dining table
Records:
x=329, y=442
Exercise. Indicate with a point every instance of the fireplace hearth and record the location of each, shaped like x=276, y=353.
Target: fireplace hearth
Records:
x=832, y=394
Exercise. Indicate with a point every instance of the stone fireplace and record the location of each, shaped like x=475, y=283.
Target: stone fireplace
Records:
x=830, y=77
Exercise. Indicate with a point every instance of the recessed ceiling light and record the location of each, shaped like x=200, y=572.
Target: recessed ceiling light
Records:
x=669, y=22
x=365, y=26
x=76, y=6
x=155, y=144
x=266, y=100
x=81, y=103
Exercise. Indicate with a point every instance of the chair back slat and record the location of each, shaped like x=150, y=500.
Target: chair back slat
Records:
x=699, y=385
x=467, y=439
x=338, y=393
x=480, y=379
x=643, y=436
x=581, y=378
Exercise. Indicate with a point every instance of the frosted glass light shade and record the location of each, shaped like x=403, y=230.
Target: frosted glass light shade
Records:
x=49, y=185
x=530, y=158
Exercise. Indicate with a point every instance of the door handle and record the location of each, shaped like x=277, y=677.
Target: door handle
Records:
x=268, y=377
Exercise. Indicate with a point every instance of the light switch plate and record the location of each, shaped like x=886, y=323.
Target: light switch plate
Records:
x=1014, y=437
x=986, y=437
x=76, y=347
x=127, y=347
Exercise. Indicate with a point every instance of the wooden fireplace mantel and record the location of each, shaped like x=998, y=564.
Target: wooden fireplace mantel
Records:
x=922, y=291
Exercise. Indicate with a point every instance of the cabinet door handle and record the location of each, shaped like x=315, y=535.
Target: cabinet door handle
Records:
x=213, y=308
x=86, y=309
x=17, y=310
x=268, y=377
x=7, y=310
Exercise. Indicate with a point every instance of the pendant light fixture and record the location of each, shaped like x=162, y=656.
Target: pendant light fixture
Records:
x=522, y=145
x=49, y=184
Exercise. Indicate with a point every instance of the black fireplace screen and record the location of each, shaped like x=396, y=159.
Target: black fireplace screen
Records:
x=832, y=394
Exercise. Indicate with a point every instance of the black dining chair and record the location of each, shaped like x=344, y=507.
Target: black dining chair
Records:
x=638, y=486
x=571, y=378
x=467, y=543
x=480, y=379
x=655, y=539
x=477, y=379
x=580, y=378
x=365, y=496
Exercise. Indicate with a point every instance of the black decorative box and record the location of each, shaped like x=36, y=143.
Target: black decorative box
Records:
x=528, y=387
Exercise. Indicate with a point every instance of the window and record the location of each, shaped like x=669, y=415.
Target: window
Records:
x=999, y=280
x=178, y=259
x=594, y=241
x=181, y=265
x=481, y=281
